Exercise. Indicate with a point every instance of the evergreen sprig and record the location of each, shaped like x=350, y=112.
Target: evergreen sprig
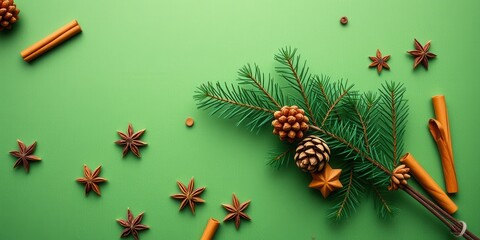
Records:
x=364, y=131
x=393, y=118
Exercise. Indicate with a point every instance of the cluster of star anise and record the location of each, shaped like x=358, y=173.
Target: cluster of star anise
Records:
x=421, y=54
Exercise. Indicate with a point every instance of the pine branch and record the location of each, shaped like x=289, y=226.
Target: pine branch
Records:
x=279, y=160
x=343, y=91
x=295, y=74
x=351, y=147
x=234, y=102
x=355, y=137
x=348, y=198
x=382, y=205
x=364, y=114
x=393, y=117
x=256, y=79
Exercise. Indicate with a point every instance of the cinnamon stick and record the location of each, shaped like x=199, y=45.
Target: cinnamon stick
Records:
x=429, y=184
x=52, y=40
x=440, y=130
x=210, y=229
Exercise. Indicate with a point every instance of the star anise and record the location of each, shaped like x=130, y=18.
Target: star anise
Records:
x=91, y=180
x=24, y=155
x=131, y=141
x=379, y=61
x=236, y=211
x=132, y=225
x=421, y=54
x=189, y=195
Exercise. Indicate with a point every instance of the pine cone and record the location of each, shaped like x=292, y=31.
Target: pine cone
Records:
x=290, y=123
x=312, y=154
x=8, y=14
x=399, y=177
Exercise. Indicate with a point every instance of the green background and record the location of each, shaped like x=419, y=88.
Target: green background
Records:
x=141, y=61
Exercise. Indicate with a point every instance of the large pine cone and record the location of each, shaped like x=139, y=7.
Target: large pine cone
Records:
x=312, y=154
x=8, y=14
x=290, y=123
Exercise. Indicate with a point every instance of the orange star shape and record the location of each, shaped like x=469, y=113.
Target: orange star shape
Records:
x=379, y=61
x=327, y=180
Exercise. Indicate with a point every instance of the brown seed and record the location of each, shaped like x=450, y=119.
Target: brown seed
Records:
x=344, y=20
x=292, y=134
x=277, y=114
x=189, y=122
x=291, y=119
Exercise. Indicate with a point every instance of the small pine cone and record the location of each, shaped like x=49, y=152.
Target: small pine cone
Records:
x=399, y=177
x=312, y=154
x=8, y=14
x=290, y=123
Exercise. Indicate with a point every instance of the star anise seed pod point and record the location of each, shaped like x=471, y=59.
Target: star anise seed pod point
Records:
x=91, y=180
x=132, y=225
x=421, y=54
x=236, y=211
x=131, y=141
x=24, y=155
x=189, y=195
x=379, y=61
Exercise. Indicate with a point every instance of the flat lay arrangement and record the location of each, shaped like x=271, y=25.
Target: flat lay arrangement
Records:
x=216, y=120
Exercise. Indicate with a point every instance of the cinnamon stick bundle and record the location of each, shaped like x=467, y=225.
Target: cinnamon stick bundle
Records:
x=50, y=41
x=429, y=184
x=210, y=229
x=440, y=130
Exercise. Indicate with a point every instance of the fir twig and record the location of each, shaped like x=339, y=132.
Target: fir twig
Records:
x=393, y=115
x=234, y=102
x=353, y=148
x=348, y=198
x=356, y=139
x=256, y=78
x=382, y=205
x=279, y=160
x=344, y=92
x=295, y=74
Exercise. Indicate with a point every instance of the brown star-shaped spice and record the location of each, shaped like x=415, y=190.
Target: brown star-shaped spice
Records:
x=91, y=180
x=236, y=211
x=326, y=181
x=132, y=226
x=379, y=61
x=131, y=141
x=421, y=54
x=189, y=195
x=24, y=155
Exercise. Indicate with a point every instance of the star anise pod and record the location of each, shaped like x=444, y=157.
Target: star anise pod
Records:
x=421, y=54
x=24, y=155
x=379, y=61
x=132, y=225
x=131, y=141
x=91, y=180
x=236, y=211
x=189, y=195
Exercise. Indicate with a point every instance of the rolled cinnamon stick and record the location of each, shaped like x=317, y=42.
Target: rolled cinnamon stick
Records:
x=439, y=135
x=427, y=182
x=440, y=130
x=210, y=229
x=441, y=114
x=52, y=40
